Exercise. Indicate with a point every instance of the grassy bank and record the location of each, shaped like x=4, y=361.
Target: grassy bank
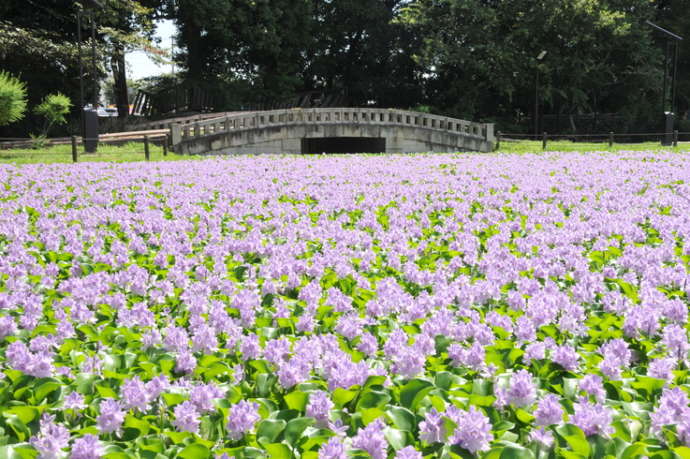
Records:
x=133, y=151
x=532, y=146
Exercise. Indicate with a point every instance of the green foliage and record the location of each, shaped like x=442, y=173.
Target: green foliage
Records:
x=12, y=99
x=54, y=108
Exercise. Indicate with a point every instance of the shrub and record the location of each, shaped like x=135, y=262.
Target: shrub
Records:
x=12, y=99
x=54, y=108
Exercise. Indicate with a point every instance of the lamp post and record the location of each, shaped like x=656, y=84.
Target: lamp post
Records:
x=672, y=43
x=539, y=58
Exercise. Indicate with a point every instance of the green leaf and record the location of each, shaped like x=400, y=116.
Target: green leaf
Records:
x=264, y=383
x=648, y=385
x=372, y=399
x=683, y=452
x=106, y=392
x=402, y=418
x=516, y=452
x=342, y=396
x=140, y=426
x=20, y=430
x=195, y=451
x=278, y=451
x=396, y=438
x=177, y=437
x=575, y=438
x=21, y=451
x=172, y=399
x=295, y=428
x=369, y=415
x=413, y=392
x=444, y=380
x=26, y=414
x=46, y=388
x=270, y=429
x=296, y=400
x=84, y=383
x=524, y=416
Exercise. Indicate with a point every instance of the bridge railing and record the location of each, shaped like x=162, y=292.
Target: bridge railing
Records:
x=276, y=118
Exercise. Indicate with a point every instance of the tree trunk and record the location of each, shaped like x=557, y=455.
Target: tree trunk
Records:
x=117, y=61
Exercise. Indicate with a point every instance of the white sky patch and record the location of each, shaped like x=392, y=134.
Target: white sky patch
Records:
x=139, y=65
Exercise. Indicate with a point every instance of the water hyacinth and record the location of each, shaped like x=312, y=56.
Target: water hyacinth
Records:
x=243, y=416
x=86, y=447
x=186, y=417
x=111, y=416
x=455, y=294
x=52, y=438
x=473, y=429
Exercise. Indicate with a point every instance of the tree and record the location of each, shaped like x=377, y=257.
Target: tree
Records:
x=127, y=25
x=480, y=55
x=54, y=109
x=12, y=99
x=361, y=49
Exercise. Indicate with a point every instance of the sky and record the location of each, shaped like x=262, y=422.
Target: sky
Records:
x=140, y=66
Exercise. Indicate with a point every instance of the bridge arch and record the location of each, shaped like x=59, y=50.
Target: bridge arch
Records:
x=293, y=130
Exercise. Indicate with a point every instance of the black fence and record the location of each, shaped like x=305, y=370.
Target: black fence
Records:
x=610, y=138
x=81, y=148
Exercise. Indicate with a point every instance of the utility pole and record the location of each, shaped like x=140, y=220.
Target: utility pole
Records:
x=672, y=43
x=539, y=58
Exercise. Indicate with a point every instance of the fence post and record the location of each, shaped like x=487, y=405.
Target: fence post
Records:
x=611, y=139
x=543, y=141
x=74, y=149
x=165, y=145
x=147, y=153
x=498, y=140
x=675, y=138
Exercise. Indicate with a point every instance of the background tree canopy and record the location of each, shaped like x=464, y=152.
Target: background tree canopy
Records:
x=474, y=59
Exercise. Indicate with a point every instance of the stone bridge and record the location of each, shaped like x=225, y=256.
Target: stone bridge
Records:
x=330, y=130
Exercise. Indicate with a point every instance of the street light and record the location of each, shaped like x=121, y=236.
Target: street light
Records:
x=540, y=57
x=672, y=40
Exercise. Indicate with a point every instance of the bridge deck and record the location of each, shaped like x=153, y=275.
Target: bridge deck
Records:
x=209, y=132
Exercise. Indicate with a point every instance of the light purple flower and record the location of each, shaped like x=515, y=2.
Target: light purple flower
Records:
x=675, y=339
x=431, y=428
x=566, y=357
x=74, y=401
x=243, y=417
x=186, y=417
x=594, y=386
x=87, y=447
x=473, y=429
x=135, y=394
x=333, y=449
x=593, y=418
x=662, y=368
x=185, y=362
x=408, y=452
x=674, y=406
x=202, y=396
x=549, y=411
x=372, y=440
x=543, y=436
x=52, y=438
x=111, y=416
x=319, y=407
x=522, y=391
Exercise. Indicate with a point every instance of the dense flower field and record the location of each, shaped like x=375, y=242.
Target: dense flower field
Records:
x=354, y=306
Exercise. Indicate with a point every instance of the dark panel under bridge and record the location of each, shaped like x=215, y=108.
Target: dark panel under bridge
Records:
x=317, y=145
x=317, y=130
